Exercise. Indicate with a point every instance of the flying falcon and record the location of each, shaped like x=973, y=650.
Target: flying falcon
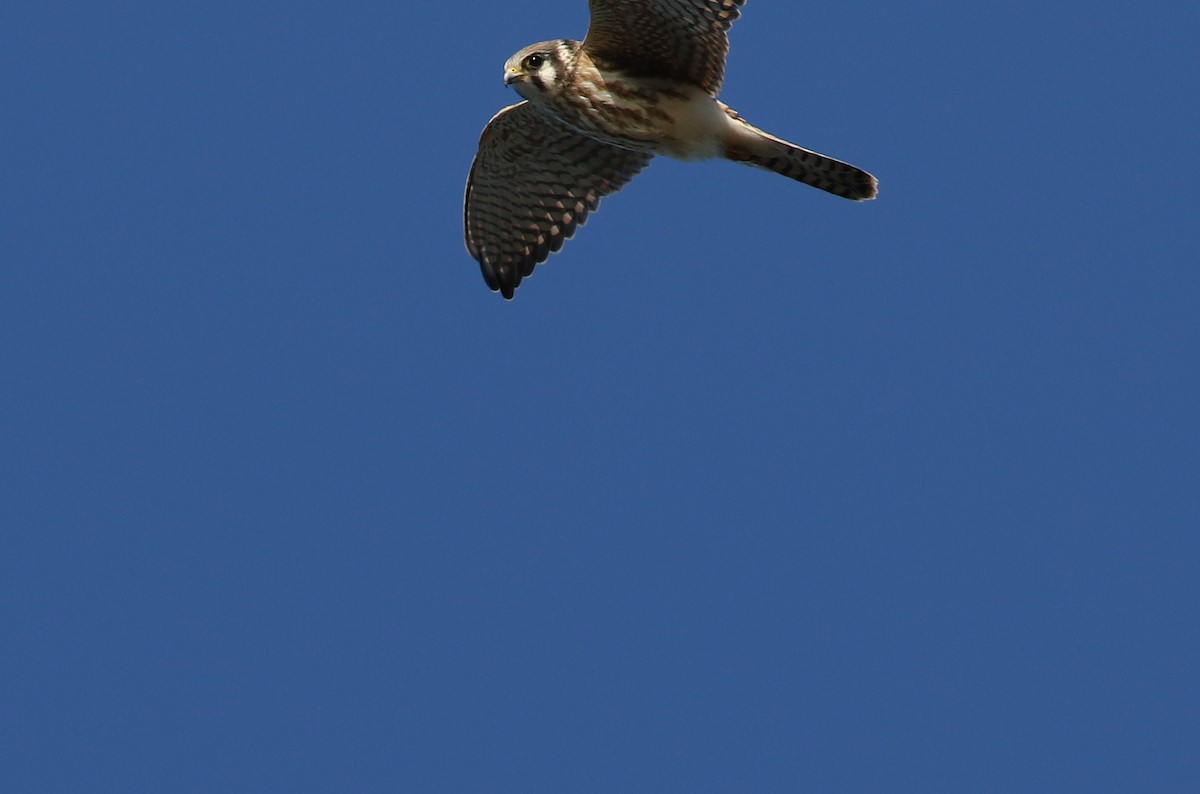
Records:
x=643, y=82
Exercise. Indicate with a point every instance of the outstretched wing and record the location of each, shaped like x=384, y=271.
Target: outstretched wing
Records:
x=684, y=40
x=532, y=182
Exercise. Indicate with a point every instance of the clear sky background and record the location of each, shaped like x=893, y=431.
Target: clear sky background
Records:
x=750, y=488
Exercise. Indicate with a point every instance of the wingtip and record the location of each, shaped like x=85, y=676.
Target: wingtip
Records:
x=500, y=278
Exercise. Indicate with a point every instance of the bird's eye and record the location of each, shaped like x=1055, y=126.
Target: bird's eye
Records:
x=534, y=62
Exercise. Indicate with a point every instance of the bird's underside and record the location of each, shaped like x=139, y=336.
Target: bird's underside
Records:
x=643, y=82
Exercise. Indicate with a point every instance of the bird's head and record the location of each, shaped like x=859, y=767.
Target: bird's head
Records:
x=536, y=70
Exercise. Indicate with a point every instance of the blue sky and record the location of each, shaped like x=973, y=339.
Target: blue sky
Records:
x=750, y=488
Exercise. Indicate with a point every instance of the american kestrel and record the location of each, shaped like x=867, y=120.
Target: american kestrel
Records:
x=643, y=82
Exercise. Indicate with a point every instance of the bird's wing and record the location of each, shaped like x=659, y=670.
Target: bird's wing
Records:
x=532, y=182
x=683, y=40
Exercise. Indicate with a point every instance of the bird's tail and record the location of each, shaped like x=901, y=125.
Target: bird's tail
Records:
x=748, y=144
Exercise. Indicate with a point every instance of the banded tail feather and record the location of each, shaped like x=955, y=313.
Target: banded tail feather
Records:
x=752, y=146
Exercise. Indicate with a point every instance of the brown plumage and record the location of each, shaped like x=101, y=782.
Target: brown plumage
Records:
x=642, y=82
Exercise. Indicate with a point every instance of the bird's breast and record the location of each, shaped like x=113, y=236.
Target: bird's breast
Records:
x=663, y=117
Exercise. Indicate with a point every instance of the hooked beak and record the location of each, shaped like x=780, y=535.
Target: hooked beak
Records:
x=511, y=75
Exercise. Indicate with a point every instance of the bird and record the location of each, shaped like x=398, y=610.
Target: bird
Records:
x=643, y=82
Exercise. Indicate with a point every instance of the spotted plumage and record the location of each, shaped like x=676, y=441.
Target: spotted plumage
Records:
x=642, y=82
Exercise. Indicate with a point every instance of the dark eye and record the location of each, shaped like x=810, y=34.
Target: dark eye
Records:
x=534, y=62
